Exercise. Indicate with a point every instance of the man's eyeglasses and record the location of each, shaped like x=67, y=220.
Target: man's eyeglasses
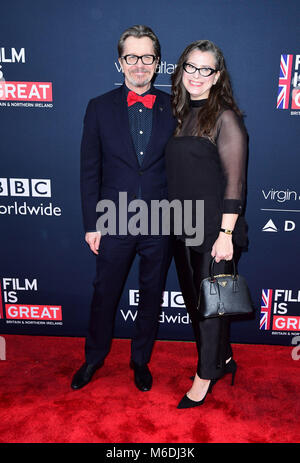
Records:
x=204, y=72
x=133, y=59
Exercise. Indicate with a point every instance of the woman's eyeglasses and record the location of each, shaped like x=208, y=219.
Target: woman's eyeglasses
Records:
x=204, y=71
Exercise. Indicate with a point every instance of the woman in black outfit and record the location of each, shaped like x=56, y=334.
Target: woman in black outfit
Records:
x=206, y=160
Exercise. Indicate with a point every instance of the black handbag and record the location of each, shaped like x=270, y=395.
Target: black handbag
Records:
x=226, y=294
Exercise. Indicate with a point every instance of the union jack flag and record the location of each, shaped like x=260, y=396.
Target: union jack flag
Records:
x=1, y=304
x=285, y=74
x=265, y=312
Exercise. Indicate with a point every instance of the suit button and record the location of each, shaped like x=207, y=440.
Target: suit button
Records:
x=141, y=172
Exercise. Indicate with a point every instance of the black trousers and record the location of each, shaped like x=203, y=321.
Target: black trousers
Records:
x=114, y=261
x=212, y=335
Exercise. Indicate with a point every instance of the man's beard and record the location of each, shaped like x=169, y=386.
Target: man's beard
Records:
x=139, y=83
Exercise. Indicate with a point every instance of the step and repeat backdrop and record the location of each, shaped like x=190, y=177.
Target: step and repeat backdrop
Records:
x=55, y=56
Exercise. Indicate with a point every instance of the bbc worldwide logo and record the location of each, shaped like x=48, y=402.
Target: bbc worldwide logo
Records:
x=32, y=189
x=25, y=187
x=289, y=79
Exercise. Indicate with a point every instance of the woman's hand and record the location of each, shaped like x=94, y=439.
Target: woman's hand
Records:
x=222, y=248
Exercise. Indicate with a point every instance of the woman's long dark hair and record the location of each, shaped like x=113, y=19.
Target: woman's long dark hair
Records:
x=220, y=95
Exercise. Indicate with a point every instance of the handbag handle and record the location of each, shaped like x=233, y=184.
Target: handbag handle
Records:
x=212, y=263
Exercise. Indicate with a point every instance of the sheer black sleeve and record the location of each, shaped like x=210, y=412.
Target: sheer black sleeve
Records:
x=232, y=147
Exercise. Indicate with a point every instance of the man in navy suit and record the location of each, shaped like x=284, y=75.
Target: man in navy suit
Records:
x=122, y=150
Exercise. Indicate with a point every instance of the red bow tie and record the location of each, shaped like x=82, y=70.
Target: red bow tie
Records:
x=147, y=100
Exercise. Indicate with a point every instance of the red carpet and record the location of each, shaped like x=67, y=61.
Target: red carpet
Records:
x=37, y=404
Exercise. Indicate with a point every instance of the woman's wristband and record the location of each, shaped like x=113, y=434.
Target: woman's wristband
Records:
x=226, y=230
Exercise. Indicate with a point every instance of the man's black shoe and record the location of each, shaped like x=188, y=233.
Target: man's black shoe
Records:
x=84, y=375
x=142, y=376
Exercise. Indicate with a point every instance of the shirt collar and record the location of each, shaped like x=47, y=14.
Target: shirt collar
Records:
x=143, y=94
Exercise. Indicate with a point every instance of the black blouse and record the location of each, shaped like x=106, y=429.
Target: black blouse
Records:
x=213, y=170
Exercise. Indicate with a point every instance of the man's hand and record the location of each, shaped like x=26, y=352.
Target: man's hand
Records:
x=93, y=240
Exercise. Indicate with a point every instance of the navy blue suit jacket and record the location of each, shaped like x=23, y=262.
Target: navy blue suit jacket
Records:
x=109, y=164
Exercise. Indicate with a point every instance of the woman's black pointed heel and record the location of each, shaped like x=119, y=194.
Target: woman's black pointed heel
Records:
x=231, y=367
x=188, y=403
